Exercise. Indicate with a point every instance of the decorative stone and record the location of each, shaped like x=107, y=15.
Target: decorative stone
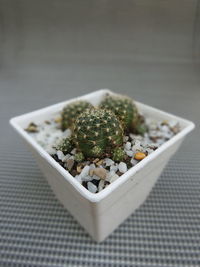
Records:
x=130, y=153
x=85, y=171
x=101, y=172
x=128, y=145
x=122, y=167
x=69, y=164
x=91, y=187
x=60, y=155
x=108, y=162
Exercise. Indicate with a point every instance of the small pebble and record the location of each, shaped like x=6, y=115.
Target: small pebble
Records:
x=66, y=157
x=86, y=178
x=99, y=163
x=114, y=168
x=78, y=178
x=58, y=119
x=79, y=168
x=32, y=128
x=101, y=185
x=132, y=136
x=92, y=166
x=109, y=175
x=91, y=187
x=130, y=153
x=73, y=151
x=172, y=123
x=69, y=164
x=122, y=167
x=95, y=160
x=139, y=155
x=114, y=178
x=91, y=172
x=51, y=150
x=128, y=146
x=125, y=138
x=101, y=172
x=95, y=177
x=108, y=162
x=85, y=171
x=60, y=155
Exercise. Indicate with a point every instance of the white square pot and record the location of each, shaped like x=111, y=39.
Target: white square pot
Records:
x=101, y=213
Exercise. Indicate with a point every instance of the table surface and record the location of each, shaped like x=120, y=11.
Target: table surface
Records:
x=56, y=50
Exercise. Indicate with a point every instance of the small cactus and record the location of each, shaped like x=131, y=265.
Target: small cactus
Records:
x=97, y=132
x=66, y=145
x=118, y=154
x=125, y=109
x=72, y=111
x=140, y=127
x=79, y=157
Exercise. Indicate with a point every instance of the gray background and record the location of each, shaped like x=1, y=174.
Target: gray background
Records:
x=55, y=50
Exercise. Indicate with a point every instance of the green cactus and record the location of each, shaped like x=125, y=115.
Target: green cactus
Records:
x=118, y=154
x=97, y=132
x=72, y=111
x=66, y=145
x=79, y=157
x=140, y=127
x=125, y=109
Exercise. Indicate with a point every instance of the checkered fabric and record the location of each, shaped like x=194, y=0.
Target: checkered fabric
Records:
x=35, y=229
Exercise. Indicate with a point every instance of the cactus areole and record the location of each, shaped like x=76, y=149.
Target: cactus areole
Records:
x=97, y=132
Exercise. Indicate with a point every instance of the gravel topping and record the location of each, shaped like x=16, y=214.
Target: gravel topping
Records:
x=96, y=174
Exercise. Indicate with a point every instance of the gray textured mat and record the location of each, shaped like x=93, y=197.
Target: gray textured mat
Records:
x=37, y=231
x=51, y=50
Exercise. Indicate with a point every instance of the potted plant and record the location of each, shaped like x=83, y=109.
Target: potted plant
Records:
x=102, y=154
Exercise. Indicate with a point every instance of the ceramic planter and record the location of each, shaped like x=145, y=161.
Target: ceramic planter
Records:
x=101, y=213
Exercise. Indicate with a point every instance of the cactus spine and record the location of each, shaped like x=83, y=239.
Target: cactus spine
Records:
x=97, y=132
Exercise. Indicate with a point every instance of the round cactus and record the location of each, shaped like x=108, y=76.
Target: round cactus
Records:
x=118, y=154
x=125, y=109
x=72, y=111
x=79, y=157
x=66, y=145
x=97, y=132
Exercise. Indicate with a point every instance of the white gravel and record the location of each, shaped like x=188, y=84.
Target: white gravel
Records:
x=60, y=155
x=127, y=145
x=85, y=171
x=108, y=162
x=49, y=135
x=122, y=167
x=92, y=187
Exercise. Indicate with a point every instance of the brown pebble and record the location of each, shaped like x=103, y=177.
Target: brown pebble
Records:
x=91, y=172
x=165, y=122
x=79, y=168
x=139, y=155
x=74, y=173
x=99, y=162
x=69, y=164
x=119, y=173
x=175, y=129
x=96, y=160
x=58, y=119
x=100, y=172
x=32, y=128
